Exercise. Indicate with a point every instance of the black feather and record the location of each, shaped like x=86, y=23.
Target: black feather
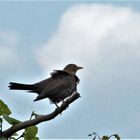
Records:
x=18, y=86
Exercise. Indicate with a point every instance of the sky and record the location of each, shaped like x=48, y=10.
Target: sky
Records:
x=102, y=36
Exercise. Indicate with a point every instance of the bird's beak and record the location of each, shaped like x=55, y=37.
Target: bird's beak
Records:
x=78, y=67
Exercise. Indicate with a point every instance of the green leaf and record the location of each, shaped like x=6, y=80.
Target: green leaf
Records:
x=35, y=138
x=11, y=120
x=105, y=138
x=4, y=108
x=30, y=133
x=2, y=138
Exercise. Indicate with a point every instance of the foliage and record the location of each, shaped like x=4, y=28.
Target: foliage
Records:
x=96, y=136
x=29, y=132
x=4, y=108
x=10, y=120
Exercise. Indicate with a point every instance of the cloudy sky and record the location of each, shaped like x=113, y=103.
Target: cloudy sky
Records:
x=103, y=37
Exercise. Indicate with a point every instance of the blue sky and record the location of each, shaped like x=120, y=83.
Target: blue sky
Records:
x=103, y=37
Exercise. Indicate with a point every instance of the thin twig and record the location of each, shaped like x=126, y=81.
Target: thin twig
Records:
x=20, y=136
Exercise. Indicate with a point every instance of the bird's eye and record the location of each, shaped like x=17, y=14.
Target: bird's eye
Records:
x=74, y=66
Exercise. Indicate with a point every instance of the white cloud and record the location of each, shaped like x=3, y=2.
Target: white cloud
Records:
x=105, y=40
x=86, y=30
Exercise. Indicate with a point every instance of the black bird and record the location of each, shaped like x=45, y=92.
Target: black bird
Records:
x=59, y=86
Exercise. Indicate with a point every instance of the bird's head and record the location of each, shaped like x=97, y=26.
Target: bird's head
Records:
x=72, y=68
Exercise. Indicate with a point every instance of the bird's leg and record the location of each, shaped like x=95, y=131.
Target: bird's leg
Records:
x=56, y=105
x=64, y=101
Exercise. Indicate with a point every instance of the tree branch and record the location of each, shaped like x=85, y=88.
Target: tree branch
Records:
x=0, y=127
x=10, y=131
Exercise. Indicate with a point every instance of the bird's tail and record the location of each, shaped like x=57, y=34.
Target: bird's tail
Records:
x=18, y=86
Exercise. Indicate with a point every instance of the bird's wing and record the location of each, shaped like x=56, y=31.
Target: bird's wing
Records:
x=59, y=83
x=61, y=72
